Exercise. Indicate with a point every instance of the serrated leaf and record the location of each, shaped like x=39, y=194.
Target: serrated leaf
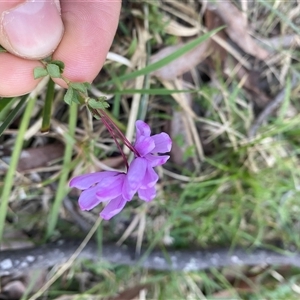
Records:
x=53, y=70
x=105, y=104
x=59, y=63
x=103, y=101
x=68, y=98
x=79, y=86
x=102, y=98
x=39, y=72
x=97, y=104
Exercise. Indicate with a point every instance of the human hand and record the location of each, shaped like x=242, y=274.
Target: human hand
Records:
x=31, y=30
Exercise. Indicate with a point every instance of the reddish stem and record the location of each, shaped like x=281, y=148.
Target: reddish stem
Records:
x=119, y=133
x=115, y=133
x=116, y=141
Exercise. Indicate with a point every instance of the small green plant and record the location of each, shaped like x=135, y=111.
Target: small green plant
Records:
x=77, y=92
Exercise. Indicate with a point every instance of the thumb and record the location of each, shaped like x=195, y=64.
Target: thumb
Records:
x=32, y=29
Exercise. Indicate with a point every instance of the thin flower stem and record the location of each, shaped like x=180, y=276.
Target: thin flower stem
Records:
x=116, y=141
x=115, y=133
x=112, y=133
x=121, y=135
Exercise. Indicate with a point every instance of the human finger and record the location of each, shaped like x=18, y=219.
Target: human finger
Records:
x=89, y=31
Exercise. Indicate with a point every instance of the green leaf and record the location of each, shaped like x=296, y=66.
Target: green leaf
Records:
x=87, y=85
x=76, y=97
x=93, y=103
x=96, y=117
x=11, y=116
x=81, y=87
x=5, y=102
x=68, y=98
x=39, y=72
x=60, y=64
x=53, y=70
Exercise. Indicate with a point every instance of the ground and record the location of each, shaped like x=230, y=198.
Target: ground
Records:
x=221, y=78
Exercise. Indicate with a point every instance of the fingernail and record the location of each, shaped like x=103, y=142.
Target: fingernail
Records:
x=32, y=29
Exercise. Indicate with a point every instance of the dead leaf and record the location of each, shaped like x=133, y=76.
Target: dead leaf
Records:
x=237, y=28
x=130, y=293
x=111, y=162
x=224, y=294
x=13, y=290
x=182, y=64
x=213, y=21
x=33, y=158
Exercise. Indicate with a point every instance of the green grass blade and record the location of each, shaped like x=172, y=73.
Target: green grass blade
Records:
x=4, y=102
x=162, y=62
x=5, y=106
x=63, y=188
x=47, y=110
x=8, y=181
x=12, y=115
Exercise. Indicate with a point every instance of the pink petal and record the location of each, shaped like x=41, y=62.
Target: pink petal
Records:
x=110, y=187
x=134, y=177
x=148, y=194
x=163, y=143
x=142, y=129
x=85, y=181
x=150, y=178
x=154, y=161
x=88, y=199
x=144, y=145
x=113, y=208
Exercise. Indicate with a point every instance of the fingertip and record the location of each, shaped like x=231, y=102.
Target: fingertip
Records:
x=89, y=31
x=32, y=29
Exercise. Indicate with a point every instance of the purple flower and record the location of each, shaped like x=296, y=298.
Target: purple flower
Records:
x=116, y=188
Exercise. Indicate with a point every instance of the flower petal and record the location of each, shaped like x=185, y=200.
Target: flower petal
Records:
x=110, y=187
x=150, y=178
x=134, y=177
x=85, y=181
x=154, y=161
x=142, y=129
x=88, y=199
x=113, y=208
x=147, y=194
x=144, y=145
x=163, y=143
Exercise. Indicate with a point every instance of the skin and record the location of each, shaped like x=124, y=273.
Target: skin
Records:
x=89, y=28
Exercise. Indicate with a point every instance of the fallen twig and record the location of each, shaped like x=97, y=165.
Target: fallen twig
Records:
x=20, y=260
